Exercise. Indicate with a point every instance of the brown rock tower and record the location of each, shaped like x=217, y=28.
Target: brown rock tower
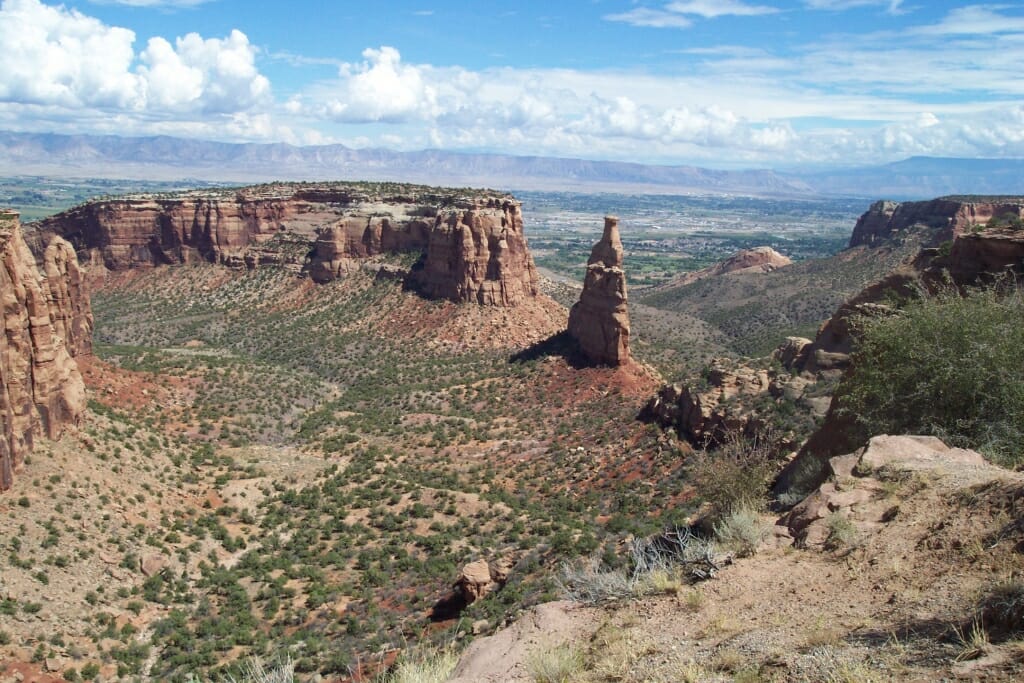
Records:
x=599, y=322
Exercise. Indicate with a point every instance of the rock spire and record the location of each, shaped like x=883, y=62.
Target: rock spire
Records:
x=599, y=322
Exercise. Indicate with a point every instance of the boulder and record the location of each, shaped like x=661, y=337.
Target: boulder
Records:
x=479, y=578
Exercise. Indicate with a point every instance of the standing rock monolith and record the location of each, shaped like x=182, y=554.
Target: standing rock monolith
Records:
x=599, y=321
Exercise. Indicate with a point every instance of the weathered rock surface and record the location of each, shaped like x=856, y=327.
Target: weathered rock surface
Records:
x=947, y=216
x=480, y=578
x=70, y=310
x=472, y=244
x=756, y=260
x=479, y=254
x=599, y=321
x=41, y=389
x=854, y=495
x=705, y=415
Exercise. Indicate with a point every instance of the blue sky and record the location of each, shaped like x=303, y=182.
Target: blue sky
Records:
x=721, y=83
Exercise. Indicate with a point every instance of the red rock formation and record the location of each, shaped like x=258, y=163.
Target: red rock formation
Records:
x=41, y=390
x=479, y=254
x=68, y=297
x=129, y=233
x=756, y=260
x=704, y=416
x=599, y=321
x=473, y=245
x=947, y=216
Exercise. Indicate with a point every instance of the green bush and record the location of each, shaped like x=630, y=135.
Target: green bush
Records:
x=735, y=475
x=946, y=365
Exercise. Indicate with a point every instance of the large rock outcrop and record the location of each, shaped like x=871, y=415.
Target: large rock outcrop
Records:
x=472, y=242
x=976, y=255
x=479, y=254
x=599, y=321
x=946, y=217
x=705, y=414
x=70, y=310
x=45, y=320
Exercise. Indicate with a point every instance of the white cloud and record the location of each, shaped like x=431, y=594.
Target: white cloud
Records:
x=676, y=14
x=652, y=18
x=974, y=20
x=212, y=75
x=50, y=55
x=56, y=56
x=381, y=89
x=893, y=6
x=719, y=8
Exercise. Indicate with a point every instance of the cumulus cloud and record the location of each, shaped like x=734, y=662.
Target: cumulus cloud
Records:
x=212, y=75
x=54, y=56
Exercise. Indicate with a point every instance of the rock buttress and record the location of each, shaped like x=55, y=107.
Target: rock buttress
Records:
x=41, y=389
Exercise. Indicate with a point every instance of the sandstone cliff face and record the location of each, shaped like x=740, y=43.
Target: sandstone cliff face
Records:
x=479, y=254
x=949, y=217
x=473, y=245
x=128, y=233
x=599, y=321
x=68, y=297
x=756, y=260
x=41, y=390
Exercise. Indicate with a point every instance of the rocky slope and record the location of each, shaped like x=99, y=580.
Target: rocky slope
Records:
x=946, y=216
x=870, y=578
x=472, y=242
x=975, y=257
x=599, y=322
x=46, y=322
x=756, y=260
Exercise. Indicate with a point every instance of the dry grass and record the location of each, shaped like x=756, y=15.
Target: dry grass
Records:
x=559, y=664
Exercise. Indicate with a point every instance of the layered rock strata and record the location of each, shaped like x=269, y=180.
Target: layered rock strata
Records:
x=479, y=254
x=46, y=320
x=472, y=244
x=946, y=216
x=599, y=321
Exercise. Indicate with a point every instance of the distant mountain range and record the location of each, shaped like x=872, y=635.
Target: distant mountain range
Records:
x=169, y=158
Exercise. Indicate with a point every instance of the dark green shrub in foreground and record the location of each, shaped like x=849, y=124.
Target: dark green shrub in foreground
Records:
x=947, y=365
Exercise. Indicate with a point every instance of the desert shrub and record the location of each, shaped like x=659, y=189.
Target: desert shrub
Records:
x=735, y=475
x=946, y=365
x=1001, y=609
x=741, y=531
x=423, y=665
x=841, y=532
x=557, y=664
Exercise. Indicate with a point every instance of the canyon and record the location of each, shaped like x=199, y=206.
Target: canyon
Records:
x=332, y=422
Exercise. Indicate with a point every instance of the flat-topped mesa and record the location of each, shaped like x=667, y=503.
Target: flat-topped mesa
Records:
x=41, y=389
x=472, y=241
x=599, y=321
x=947, y=217
x=479, y=254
